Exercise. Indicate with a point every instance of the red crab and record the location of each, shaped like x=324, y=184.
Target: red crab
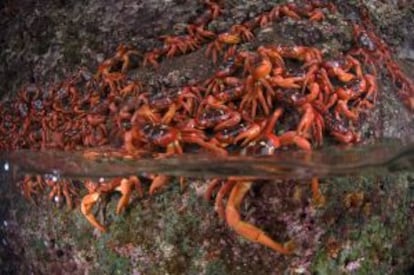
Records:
x=214, y=114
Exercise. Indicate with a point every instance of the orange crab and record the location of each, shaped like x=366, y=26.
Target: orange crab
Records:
x=123, y=185
x=260, y=69
x=216, y=47
x=182, y=44
x=60, y=188
x=341, y=68
x=223, y=78
x=265, y=72
x=31, y=185
x=122, y=58
x=152, y=57
x=214, y=114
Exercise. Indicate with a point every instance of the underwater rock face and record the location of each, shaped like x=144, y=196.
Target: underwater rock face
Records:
x=363, y=222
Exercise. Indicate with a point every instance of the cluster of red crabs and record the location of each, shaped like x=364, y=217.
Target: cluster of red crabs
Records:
x=257, y=102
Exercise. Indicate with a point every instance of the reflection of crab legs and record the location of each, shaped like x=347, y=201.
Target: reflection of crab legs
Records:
x=158, y=182
x=61, y=189
x=245, y=229
x=30, y=185
x=223, y=191
x=86, y=208
x=122, y=185
x=317, y=197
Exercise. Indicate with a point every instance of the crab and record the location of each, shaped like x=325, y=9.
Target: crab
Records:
x=167, y=106
x=223, y=78
x=337, y=128
x=369, y=45
x=245, y=132
x=370, y=97
x=268, y=142
x=130, y=89
x=361, y=90
x=31, y=184
x=260, y=69
x=231, y=93
x=312, y=95
x=123, y=185
x=186, y=97
x=308, y=55
x=375, y=51
x=311, y=121
x=182, y=44
x=216, y=47
x=152, y=57
x=197, y=29
x=237, y=34
x=310, y=10
x=60, y=188
x=171, y=138
x=243, y=31
x=214, y=114
x=265, y=73
x=341, y=68
x=122, y=58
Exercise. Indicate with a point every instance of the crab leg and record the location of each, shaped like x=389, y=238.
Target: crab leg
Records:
x=224, y=190
x=317, y=196
x=158, y=182
x=86, y=208
x=245, y=229
x=125, y=187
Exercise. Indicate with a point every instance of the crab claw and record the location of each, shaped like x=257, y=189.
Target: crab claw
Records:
x=291, y=137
